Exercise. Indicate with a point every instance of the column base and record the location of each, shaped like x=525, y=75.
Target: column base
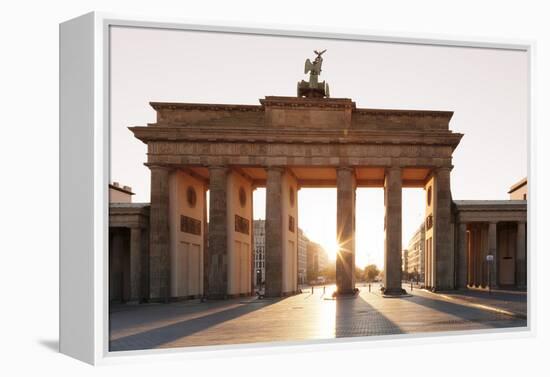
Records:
x=226, y=296
x=216, y=296
x=394, y=292
x=346, y=292
x=282, y=294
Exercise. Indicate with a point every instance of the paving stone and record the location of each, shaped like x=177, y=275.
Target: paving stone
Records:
x=301, y=317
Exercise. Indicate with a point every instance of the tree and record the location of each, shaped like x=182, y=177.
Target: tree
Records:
x=371, y=272
x=359, y=274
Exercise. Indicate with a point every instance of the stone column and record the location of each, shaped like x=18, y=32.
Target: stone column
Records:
x=492, y=246
x=462, y=276
x=392, y=241
x=217, y=233
x=252, y=244
x=116, y=247
x=135, y=264
x=273, y=233
x=443, y=247
x=206, y=260
x=145, y=265
x=521, y=256
x=471, y=258
x=345, y=230
x=159, y=251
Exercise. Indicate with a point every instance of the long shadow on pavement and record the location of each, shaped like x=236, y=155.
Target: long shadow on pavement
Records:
x=355, y=317
x=466, y=313
x=156, y=337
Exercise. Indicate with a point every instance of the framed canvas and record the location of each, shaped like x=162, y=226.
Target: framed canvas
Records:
x=235, y=189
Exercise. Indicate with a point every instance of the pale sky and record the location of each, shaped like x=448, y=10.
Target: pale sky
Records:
x=486, y=88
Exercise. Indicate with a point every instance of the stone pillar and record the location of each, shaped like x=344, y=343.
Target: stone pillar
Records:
x=145, y=265
x=217, y=233
x=252, y=244
x=392, y=241
x=273, y=233
x=159, y=251
x=462, y=276
x=471, y=258
x=443, y=247
x=521, y=256
x=345, y=230
x=135, y=264
x=206, y=259
x=492, y=250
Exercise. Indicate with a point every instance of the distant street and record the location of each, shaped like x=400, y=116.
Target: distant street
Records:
x=310, y=316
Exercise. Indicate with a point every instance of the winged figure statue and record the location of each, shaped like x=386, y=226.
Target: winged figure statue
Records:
x=313, y=88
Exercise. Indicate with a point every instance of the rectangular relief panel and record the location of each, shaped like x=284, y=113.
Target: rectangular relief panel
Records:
x=190, y=225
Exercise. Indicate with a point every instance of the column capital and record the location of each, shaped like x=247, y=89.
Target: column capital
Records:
x=345, y=168
x=444, y=168
x=277, y=168
x=393, y=168
x=157, y=166
x=218, y=167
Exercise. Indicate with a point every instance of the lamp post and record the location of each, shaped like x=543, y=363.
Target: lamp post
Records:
x=490, y=259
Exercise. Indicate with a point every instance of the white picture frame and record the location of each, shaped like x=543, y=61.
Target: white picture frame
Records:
x=84, y=167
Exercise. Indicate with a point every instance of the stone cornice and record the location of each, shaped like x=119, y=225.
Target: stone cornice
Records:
x=490, y=205
x=404, y=113
x=129, y=215
x=204, y=107
x=294, y=136
x=296, y=102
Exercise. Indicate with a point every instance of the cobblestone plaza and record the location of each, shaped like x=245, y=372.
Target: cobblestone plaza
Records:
x=311, y=317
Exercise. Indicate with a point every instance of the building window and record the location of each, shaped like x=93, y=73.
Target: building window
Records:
x=191, y=197
x=242, y=197
x=429, y=222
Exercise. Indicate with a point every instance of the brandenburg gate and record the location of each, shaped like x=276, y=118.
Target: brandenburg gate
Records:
x=284, y=144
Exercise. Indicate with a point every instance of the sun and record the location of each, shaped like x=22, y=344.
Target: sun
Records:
x=332, y=248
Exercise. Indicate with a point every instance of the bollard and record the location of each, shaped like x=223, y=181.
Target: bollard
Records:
x=369, y=287
x=312, y=289
x=411, y=285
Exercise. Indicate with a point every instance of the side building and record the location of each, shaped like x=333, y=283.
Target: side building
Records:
x=415, y=255
x=302, y=257
x=317, y=260
x=128, y=246
x=518, y=191
x=405, y=263
x=259, y=254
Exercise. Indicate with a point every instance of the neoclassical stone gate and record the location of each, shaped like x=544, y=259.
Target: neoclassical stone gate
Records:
x=283, y=144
